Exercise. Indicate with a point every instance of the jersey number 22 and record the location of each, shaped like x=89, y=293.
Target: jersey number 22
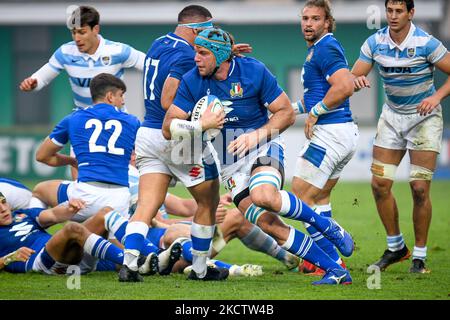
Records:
x=94, y=147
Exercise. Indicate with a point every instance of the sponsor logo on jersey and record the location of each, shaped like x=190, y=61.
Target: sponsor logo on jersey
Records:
x=106, y=60
x=397, y=69
x=411, y=52
x=236, y=90
x=232, y=119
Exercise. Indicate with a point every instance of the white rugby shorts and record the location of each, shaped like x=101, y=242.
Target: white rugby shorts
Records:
x=155, y=154
x=410, y=131
x=236, y=177
x=327, y=153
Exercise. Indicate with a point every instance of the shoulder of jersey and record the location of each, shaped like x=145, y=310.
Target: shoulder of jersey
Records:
x=247, y=61
x=419, y=32
x=192, y=73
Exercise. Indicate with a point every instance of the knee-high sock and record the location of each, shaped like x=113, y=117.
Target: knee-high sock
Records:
x=303, y=246
x=293, y=208
x=260, y=241
x=136, y=232
x=116, y=225
x=103, y=249
x=322, y=242
x=201, y=236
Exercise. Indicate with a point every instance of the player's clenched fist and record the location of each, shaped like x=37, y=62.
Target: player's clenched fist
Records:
x=28, y=84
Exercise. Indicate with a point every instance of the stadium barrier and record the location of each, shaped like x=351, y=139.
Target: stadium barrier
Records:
x=17, y=157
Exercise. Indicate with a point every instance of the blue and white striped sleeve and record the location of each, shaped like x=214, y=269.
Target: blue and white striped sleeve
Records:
x=133, y=58
x=435, y=50
x=367, y=49
x=57, y=60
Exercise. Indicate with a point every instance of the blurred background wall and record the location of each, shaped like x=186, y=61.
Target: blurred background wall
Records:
x=30, y=31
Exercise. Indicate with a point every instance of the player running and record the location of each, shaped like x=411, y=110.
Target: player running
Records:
x=250, y=151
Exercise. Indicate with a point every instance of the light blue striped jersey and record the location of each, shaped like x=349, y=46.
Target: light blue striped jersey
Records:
x=406, y=69
x=110, y=57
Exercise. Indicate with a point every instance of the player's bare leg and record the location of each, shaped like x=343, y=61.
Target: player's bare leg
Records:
x=382, y=182
x=69, y=244
x=47, y=192
x=422, y=209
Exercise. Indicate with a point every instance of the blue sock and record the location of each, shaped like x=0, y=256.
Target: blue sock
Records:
x=148, y=248
x=100, y=248
x=321, y=241
x=104, y=265
x=295, y=209
x=187, y=254
x=303, y=246
x=116, y=224
x=221, y=264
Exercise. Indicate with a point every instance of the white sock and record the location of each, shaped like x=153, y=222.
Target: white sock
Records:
x=420, y=253
x=201, y=236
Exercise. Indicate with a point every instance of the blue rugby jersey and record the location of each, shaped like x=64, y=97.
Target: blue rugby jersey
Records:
x=324, y=58
x=169, y=56
x=24, y=231
x=102, y=138
x=250, y=87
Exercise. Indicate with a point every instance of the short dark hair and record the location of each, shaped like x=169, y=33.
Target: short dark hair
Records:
x=326, y=6
x=103, y=83
x=192, y=11
x=409, y=3
x=84, y=16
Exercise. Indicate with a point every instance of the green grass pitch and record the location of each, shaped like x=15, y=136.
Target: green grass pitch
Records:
x=353, y=207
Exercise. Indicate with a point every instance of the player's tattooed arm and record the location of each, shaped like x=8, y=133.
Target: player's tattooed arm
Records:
x=21, y=254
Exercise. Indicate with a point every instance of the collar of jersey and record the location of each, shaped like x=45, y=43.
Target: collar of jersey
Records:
x=315, y=43
x=97, y=53
x=233, y=64
x=173, y=36
x=103, y=104
x=403, y=45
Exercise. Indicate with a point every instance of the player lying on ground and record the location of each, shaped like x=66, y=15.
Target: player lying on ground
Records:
x=231, y=226
x=26, y=246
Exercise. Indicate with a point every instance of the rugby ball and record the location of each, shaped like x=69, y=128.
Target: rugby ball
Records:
x=201, y=106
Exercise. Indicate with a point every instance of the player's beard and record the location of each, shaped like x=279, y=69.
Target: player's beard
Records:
x=314, y=35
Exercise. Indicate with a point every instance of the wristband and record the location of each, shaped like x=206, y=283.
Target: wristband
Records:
x=298, y=107
x=183, y=128
x=319, y=109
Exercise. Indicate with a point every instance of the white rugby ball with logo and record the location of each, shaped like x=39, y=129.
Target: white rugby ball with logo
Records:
x=201, y=106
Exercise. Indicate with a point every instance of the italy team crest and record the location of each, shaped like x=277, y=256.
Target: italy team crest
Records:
x=19, y=217
x=236, y=90
x=310, y=55
x=411, y=52
x=230, y=184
